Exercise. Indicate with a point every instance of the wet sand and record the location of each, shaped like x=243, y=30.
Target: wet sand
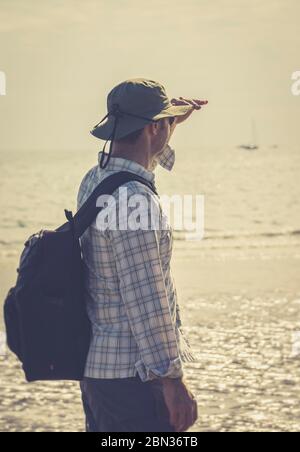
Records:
x=240, y=310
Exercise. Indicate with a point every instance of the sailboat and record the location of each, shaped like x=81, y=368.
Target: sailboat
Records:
x=252, y=146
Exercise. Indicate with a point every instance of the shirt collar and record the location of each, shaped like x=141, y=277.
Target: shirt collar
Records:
x=167, y=159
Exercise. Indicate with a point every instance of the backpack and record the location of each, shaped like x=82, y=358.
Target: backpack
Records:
x=47, y=326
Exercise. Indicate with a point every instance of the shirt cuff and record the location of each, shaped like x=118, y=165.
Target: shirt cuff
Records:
x=172, y=369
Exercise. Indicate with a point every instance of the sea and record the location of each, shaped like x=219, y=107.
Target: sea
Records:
x=251, y=198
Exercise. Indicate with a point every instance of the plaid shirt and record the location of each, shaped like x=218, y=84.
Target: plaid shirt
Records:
x=130, y=294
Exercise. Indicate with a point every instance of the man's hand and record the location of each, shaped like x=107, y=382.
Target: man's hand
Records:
x=181, y=404
x=196, y=104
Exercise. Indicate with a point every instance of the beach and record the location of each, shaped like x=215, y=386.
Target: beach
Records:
x=238, y=289
x=240, y=315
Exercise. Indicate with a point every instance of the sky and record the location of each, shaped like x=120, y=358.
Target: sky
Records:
x=62, y=57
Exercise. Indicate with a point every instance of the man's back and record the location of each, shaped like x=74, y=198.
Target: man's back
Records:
x=130, y=295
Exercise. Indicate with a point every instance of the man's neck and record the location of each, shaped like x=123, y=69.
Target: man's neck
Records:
x=143, y=158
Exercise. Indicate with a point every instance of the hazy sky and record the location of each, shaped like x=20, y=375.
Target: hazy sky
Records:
x=62, y=57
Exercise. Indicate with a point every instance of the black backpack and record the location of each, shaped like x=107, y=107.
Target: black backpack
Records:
x=45, y=314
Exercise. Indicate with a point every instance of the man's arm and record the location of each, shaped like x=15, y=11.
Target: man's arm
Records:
x=145, y=298
x=144, y=294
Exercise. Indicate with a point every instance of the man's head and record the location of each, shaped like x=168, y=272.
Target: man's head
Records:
x=138, y=105
x=152, y=138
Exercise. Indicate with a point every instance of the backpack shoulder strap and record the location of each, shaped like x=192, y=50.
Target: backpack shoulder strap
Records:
x=88, y=211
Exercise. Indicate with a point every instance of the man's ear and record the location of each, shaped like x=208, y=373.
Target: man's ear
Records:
x=154, y=127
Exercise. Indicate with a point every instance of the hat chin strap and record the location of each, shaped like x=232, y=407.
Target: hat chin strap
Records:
x=117, y=113
x=105, y=158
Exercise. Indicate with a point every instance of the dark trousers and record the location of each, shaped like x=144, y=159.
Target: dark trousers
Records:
x=124, y=405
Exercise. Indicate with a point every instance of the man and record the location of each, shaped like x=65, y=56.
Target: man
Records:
x=134, y=376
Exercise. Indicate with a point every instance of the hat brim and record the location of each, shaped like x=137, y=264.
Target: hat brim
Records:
x=129, y=124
